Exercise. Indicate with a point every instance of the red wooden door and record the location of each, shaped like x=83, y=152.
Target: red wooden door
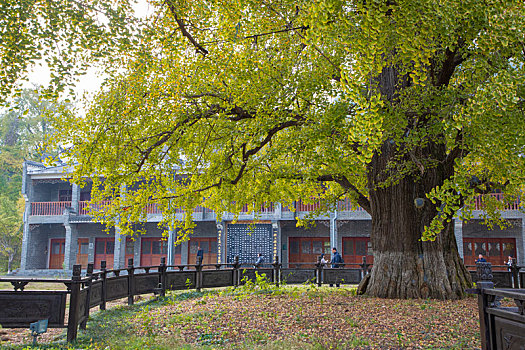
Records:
x=354, y=248
x=308, y=249
x=208, y=246
x=104, y=250
x=82, y=252
x=56, y=256
x=152, y=249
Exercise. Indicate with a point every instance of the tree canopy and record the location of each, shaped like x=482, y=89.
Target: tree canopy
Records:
x=226, y=103
x=236, y=102
x=64, y=35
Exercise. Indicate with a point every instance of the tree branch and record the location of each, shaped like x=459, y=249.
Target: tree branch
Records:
x=183, y=30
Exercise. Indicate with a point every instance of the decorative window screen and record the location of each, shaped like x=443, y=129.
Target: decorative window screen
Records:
x=247, y=241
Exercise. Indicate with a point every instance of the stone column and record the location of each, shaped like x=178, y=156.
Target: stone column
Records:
x=458, y=232
x=26, y=239
x=184, y=253
x=75, y=198
x=171, y=247
x=119, y=257
x=334, y=237
x=71, y=245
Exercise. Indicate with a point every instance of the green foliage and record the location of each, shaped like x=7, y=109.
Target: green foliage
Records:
x=242, y=102
x=24, y=130
x=64, y=35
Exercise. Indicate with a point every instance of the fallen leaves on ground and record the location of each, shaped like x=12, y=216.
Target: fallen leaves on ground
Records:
x=328, y=316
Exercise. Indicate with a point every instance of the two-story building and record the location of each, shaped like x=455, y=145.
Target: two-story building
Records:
x=58, y=232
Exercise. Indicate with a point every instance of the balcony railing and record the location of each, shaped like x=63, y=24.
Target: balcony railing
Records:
x=344, y=205
x=84, y=207
x=479, y=201
x=49, y=208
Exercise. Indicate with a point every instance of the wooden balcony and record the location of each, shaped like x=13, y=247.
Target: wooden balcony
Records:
x=49, y=208
x=479, y=201
x=84, y=207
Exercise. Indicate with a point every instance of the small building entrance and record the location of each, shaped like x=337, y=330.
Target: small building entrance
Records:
x=56, y=256
x=308, y=249
x=354, y=248
x=209, y=249
x=104, y=250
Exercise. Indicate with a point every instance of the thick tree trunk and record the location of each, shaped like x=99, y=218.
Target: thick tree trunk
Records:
x=404, y=266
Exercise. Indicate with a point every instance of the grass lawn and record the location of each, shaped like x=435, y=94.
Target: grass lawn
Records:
x=290, y=317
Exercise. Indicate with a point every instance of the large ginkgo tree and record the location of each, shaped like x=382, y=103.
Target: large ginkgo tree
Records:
x=409, y=108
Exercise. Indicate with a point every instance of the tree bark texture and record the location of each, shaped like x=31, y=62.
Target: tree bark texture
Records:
x=404, y=266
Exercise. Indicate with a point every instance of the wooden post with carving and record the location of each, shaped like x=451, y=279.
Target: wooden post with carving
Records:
x=89, y=275
x=74, y=301
x=198, y=274
x=162, y=276
x=103, y=277
x=131, y=281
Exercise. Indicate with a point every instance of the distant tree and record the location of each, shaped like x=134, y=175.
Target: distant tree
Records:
x=10, y=232
x=24, y=131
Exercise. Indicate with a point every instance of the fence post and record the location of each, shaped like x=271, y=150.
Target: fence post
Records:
x=236, y=271
x=89, y=275
x=319, y=271
x=131, y=281
x=103, y=277
x=162, y=276
x=74, y=301
x=276, y=271
x=198, y=274
x=484, y=271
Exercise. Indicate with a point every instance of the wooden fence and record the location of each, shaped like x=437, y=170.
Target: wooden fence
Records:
x=500, y=327
x=19, y=308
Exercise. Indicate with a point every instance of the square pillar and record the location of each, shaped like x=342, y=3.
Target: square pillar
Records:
x=458, y=232
x=71, y=246
x=119, y=256
x=75, y=198
x=171, y=247
x=26, y=238
x=334, y=237
x=184, y=253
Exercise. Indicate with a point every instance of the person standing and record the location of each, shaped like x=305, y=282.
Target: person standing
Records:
x=200, y=255
x=336, y=262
